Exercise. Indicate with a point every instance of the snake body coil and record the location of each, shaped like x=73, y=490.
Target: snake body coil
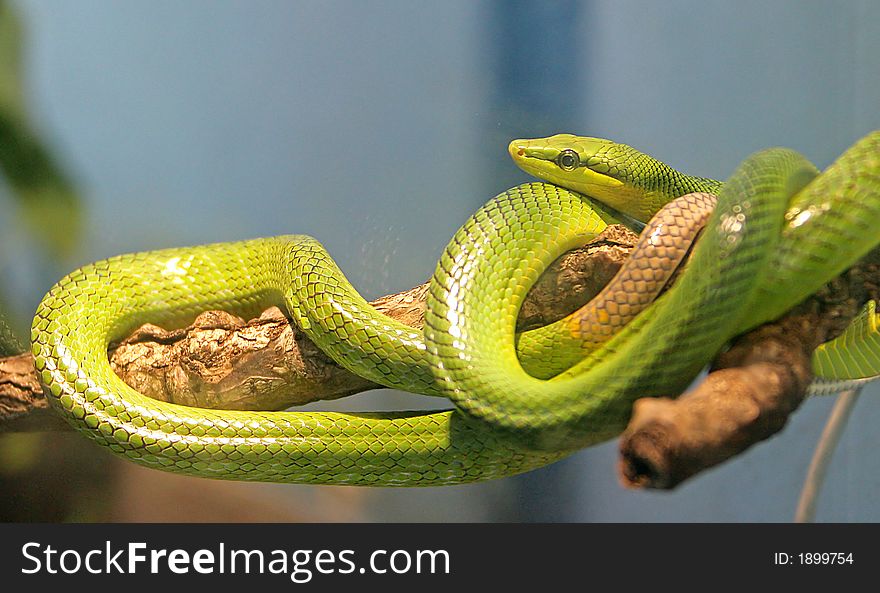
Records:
x=750, y=265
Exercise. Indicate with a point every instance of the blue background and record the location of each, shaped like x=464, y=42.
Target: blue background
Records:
x=378, y=127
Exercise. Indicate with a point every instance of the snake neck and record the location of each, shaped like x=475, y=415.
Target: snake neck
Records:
x=648, y=185
x=670, y=183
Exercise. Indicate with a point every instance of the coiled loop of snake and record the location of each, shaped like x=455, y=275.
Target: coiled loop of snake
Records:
x=506, y=420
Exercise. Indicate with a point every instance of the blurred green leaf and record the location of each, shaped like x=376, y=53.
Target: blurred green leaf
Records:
x=50, y=207
x=11, y=95
x=19, y=452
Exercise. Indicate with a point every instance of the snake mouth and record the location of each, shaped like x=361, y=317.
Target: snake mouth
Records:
x=516, y=149
x=523, y=150
x=559, y=164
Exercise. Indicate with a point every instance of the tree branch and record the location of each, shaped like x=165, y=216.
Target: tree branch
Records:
x=749, y=393
x=221, y=361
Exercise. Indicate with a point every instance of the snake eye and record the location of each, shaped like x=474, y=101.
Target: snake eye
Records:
x=568, y=160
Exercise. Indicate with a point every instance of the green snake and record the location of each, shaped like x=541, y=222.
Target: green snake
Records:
x=778, y=233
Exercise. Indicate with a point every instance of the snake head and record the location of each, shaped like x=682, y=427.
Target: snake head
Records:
x=615, y=174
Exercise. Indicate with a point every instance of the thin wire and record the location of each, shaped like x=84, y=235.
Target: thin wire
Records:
x=806, y=509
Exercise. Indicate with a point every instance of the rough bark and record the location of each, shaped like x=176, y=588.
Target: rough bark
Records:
x=221, y=361
x=267, y=363
x=750, y=392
